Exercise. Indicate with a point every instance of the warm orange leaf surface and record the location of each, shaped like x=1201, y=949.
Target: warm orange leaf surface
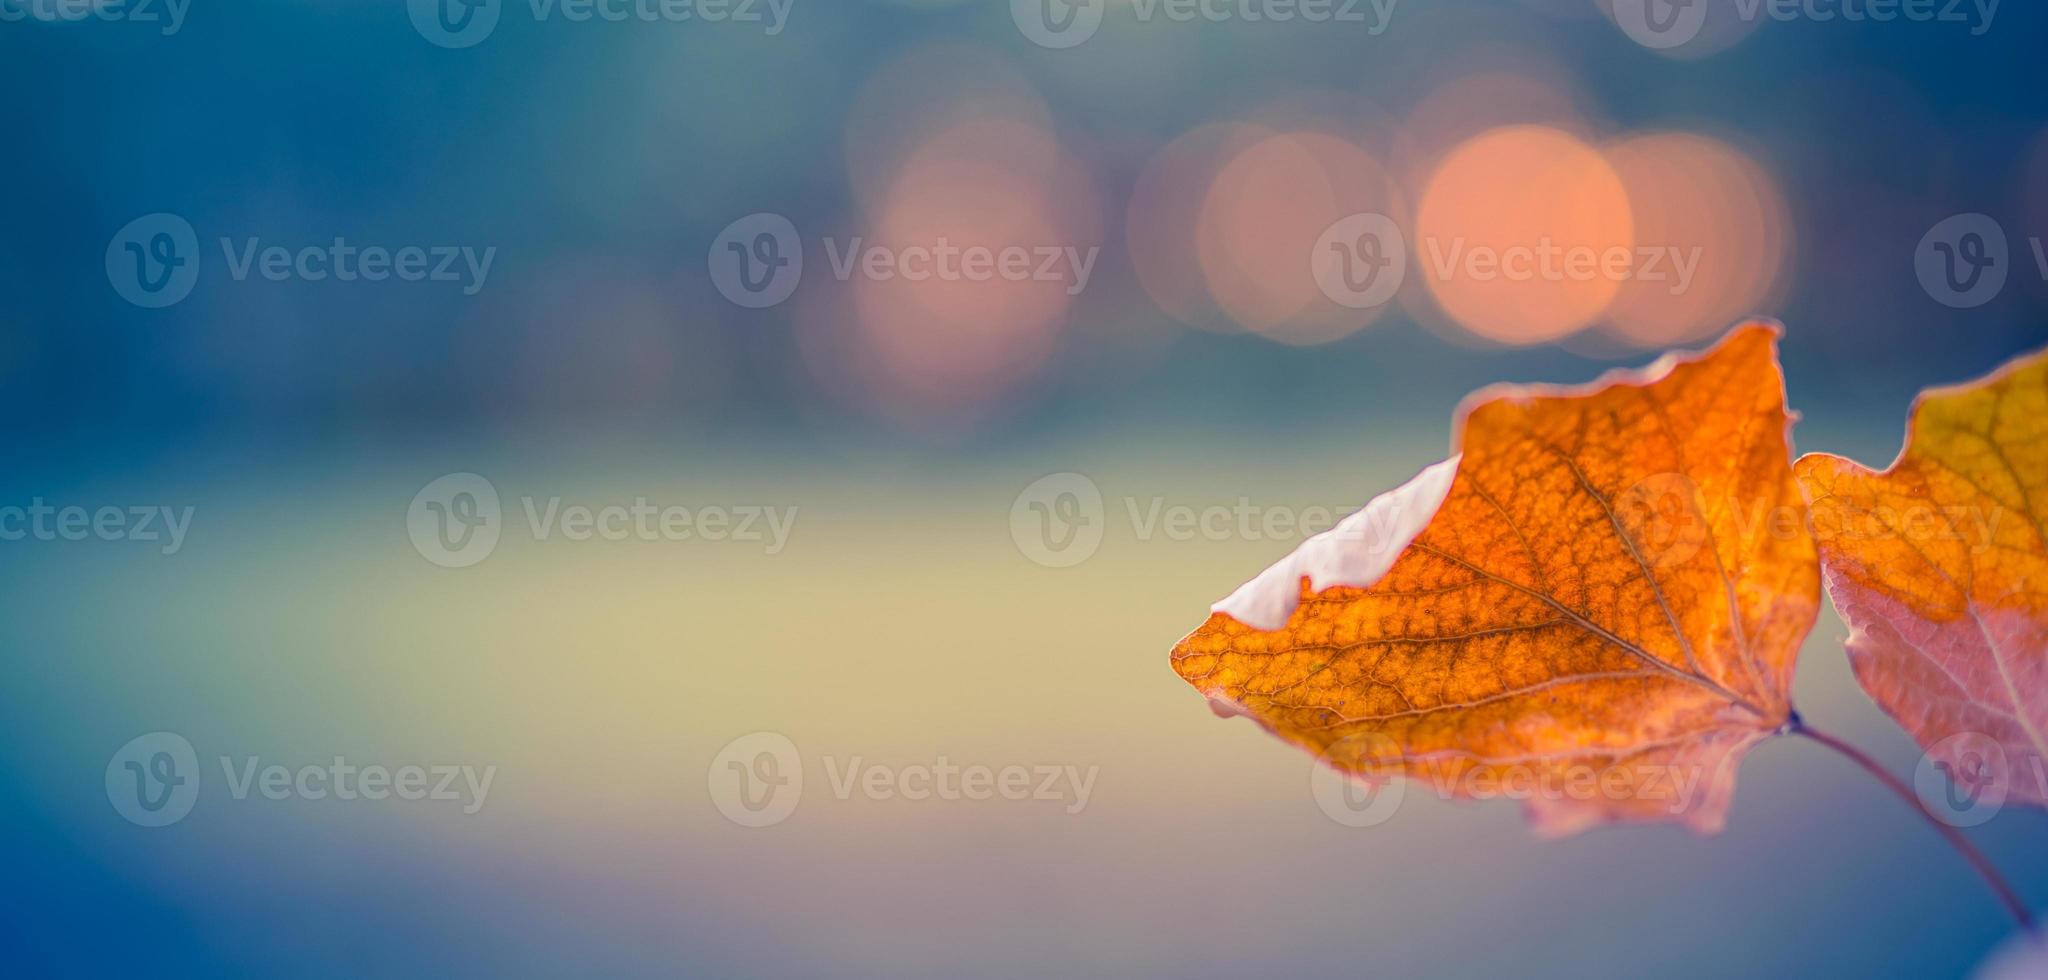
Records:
x=1595, y=607
x=1940, y=566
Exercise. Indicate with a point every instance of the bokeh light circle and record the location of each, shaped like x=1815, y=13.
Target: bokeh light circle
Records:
x=1261, y=220
x=1164, y=215
x=1517, y=232
x=1720, y=224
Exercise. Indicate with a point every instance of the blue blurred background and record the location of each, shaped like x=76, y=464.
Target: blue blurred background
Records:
x=1811, y=167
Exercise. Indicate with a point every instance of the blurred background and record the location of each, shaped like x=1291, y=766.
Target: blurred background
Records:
x=371, y=299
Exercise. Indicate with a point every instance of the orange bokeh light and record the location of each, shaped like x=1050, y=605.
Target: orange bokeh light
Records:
x=961, y=282
x=1719, y=220
x=1518, y=233
x=1165, y=211
x=1261, y=220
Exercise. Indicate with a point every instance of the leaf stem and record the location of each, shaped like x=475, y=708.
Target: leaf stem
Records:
x=1955, y=837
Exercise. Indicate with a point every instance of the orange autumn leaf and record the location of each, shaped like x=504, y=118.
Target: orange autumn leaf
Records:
x=1594, y=606
x=1940, y=567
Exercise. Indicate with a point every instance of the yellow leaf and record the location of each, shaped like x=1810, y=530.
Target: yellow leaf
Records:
x=1593, y=607
x=1940, y=567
